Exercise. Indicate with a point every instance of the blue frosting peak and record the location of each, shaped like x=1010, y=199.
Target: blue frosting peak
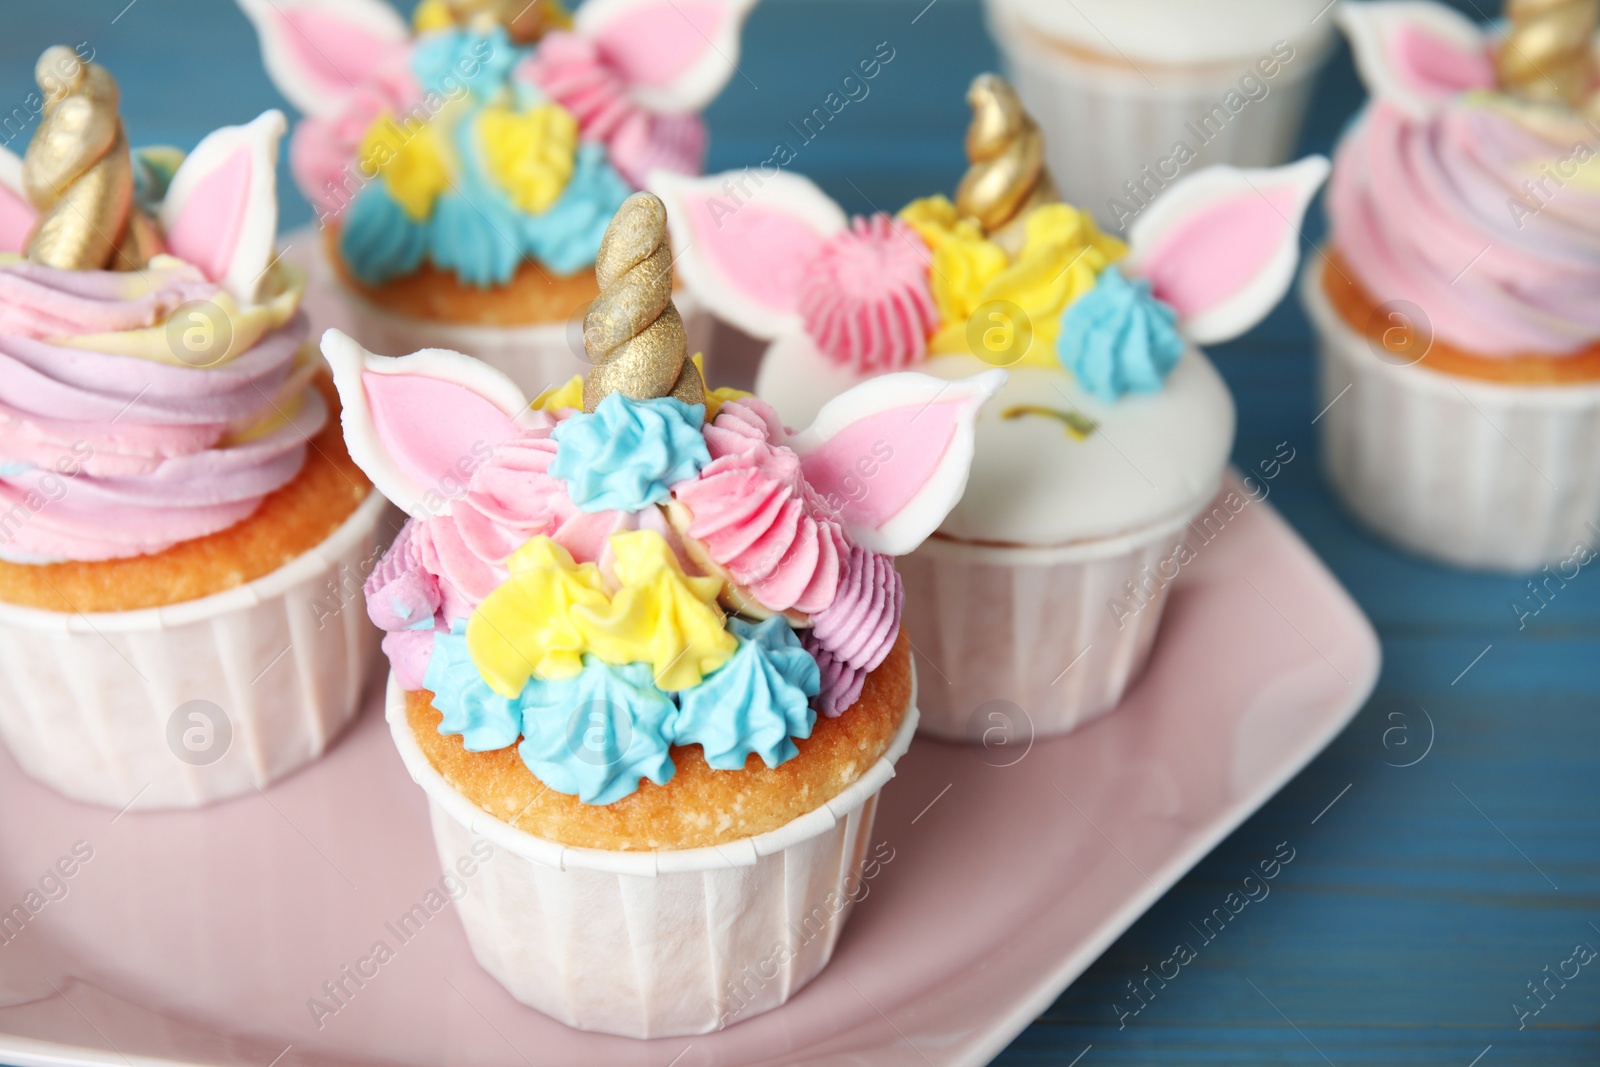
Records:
x=596, y=734
x=628, y=454
x=1118, y=338
x=755, y=702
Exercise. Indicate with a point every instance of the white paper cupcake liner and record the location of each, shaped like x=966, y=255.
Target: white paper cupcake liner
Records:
x=535, y=357
x=1104, y=124
x=1478, y=474
x=1031, y=642
x=656, y=944
x=185, y=705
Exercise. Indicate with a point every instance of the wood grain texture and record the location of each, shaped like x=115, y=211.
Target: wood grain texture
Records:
x=1410, y=919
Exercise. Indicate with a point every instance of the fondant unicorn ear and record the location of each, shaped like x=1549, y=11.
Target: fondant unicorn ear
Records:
x=674, y=55
x=421, y=423
x=221, y=208
x=892, y=455
x=16, y=213
x=743, y=240
x=1221, y=246
x=318, y=51
x=1416, y=54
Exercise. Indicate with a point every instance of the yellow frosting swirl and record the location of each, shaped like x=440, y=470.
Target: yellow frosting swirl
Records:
x=1062, y=254
x=411, y=162
x=551, y=611
x=531, y=154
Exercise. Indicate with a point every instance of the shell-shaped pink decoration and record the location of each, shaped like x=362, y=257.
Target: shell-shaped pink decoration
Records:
x=757, y=517
x=865, y=299
x=851, y=636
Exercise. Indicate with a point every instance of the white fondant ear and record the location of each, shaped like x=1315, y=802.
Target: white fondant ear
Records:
x=1221, y=246
x=1416, y=54
x=420, y=424
x=743, y=241
x=892, y=455
x=674, y=55
x=221, y=209
x=16, y=213
x=318, y=51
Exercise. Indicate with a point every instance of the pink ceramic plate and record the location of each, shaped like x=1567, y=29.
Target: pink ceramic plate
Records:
x=202, y=938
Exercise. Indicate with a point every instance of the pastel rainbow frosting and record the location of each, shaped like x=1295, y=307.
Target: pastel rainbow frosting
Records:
x=458, y=146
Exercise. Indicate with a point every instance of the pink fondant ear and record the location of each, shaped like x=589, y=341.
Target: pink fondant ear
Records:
x=1221, y=246
x=221, y=210
x=743, y=241
x=674, y=55
x=1417, y=55
x=892, y=455
x=16, y=213
x=318, y=51
x=418, y=425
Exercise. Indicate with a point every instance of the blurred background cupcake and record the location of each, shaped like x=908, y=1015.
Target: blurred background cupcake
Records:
x=463, y=170
x=1456, y=302
x=644, y=656
x=180, y=526
x=1132, y=94
x=1099, y=463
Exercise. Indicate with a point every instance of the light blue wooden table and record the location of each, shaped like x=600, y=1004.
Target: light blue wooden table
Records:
x=1422, y=898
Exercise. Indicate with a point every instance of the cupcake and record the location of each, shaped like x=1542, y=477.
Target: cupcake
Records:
x=179, y=520
x=649, y=647
x=463, y=174
x=1455, y=302
x=1037, y=599
x=1133, y=94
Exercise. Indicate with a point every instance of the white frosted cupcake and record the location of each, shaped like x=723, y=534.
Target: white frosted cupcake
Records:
x=180, y=527
x=1133, y=94
x=1456, y=302
x=1039, y=597
x=463, y=172
x=643, y=654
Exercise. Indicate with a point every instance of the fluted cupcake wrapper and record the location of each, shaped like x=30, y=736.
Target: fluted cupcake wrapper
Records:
x=1020, y=643
x=535, y=357
x=656, y=944
x=1478, y=474
x=189, y=704
x=1105, y=122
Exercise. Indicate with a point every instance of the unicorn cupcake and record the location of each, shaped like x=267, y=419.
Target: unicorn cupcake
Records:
x=1039, y=595
x=178, y=517
x=651, y=648
x=464, y=170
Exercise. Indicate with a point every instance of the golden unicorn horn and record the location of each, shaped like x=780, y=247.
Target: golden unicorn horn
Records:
x=1548, y=53
x=1007, y=177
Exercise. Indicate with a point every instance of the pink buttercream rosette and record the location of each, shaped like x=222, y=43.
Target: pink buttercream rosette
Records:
x=865, y=299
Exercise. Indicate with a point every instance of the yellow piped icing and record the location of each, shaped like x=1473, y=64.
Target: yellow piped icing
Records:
x=529, y=625
x=411, y=163
x=1062, y=255
x=569, y=394
x=530, y=154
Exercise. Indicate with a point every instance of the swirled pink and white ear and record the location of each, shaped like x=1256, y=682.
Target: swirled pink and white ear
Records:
x=221, y=209
x=743, y=239
x=891, y=456
x=1221, y=246
x=17, y=216
x=318, y=51
x=1416, y=55
x=675, y=56
x=418, y=424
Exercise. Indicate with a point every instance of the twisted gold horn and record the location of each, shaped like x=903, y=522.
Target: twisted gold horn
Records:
x=77, y=172
x=632, y=333
x=1548, y=54
x=525, y=22
x=1007, y=176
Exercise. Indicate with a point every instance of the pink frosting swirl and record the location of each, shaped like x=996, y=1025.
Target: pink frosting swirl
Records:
x=106, y=455
x=324, y=150
x=403, y=600
x=575, y=72
x=1428, y=211
x=758, y=517
x=865, y=299
x=851, y=636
